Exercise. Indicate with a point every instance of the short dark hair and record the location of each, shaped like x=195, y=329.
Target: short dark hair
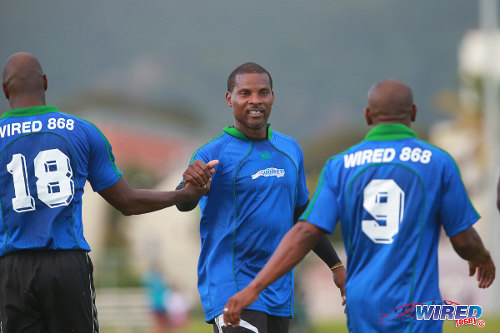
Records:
x=246, y=68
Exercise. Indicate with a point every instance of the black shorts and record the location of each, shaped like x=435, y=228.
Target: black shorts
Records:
x=254, y=321
x=47, y=292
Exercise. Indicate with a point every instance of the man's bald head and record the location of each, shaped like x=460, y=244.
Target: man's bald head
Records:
x=23, y=74
x=390, y=101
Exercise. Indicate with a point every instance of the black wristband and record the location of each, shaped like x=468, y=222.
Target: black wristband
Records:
x=185, y=206
x=324, y=249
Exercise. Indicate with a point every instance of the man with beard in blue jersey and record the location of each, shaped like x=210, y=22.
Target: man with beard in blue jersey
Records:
x=257, y=193
x=392, y=194
x=46, y=156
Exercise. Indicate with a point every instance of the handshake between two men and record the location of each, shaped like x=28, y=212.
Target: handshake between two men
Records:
x=198, y=177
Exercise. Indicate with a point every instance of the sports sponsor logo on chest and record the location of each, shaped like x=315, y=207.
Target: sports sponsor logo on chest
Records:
x=269, y=172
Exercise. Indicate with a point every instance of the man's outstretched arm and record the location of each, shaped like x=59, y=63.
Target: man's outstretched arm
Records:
x=292, y=248
x=130, y=201
x=186, y=206
x=197, y=173
x=469, y=246
x=325, y=251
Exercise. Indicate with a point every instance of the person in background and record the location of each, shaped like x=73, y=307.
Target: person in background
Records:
x=159, y=292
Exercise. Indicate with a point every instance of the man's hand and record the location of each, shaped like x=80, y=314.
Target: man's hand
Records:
x=199, y=174
x=485, y=272
x=339, y=277
x=195, y=192
x=290, y=251
x=237, y=303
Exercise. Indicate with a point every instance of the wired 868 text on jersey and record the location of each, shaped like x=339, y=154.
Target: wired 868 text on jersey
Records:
x=386, y=155
x=36, y=126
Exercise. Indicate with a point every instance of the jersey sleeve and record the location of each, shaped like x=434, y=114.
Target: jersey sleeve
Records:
x=200, y=154
x=322, y=211
x=457, y=213
x=302, y=191
x=102, y=169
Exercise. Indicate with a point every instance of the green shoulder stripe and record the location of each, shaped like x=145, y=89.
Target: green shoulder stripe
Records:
x=108, y=146
x=210, y=141
x=318, y=189
x=319, y=186
x=30, y=111
x=458, y=170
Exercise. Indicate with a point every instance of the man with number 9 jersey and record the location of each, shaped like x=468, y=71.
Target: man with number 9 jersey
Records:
x=46, y=157
x=392, y=194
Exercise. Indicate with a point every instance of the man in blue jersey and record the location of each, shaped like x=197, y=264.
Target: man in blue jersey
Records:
x=46, y=157
x=257, y=193
x=392, y=194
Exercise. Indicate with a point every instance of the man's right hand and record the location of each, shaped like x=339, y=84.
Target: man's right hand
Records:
x=485, y=272
x=339, y=277
x=195, y=192
x=199, y=174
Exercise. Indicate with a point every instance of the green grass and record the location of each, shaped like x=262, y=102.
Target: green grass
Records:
x=492, y=326
x=199, y=326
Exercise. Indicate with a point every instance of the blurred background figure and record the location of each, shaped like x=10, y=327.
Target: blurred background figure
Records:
x=158, y=293
x=178, y=307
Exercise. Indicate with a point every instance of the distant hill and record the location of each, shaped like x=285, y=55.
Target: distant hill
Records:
x=323, y=55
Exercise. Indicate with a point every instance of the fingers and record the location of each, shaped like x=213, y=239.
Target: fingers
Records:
x=485, y=275
x=339, y=278
x=196, y=191
x=231, y=313
x=237, y=303
x=342, y=295
x=199, y=173
x=212, y=163
x=472, y=268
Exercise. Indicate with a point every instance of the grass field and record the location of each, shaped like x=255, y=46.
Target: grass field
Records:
x=492, y=326
x=199, y=326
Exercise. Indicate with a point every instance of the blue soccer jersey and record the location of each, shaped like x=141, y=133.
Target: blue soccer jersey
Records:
x=392, y=193
x=46, y=158
x=255, y=189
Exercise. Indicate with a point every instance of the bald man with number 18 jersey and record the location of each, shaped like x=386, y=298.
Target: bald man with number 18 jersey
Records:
x=46, y=157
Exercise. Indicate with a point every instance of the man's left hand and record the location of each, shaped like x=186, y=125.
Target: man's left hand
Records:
x=339, y=277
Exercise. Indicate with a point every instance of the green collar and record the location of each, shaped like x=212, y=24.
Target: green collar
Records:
x=31, y=111
x=387, y=132
x=231, y=130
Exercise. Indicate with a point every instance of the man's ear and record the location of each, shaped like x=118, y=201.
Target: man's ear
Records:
x=368, y=117
x=228, y=99
x=45, y=84
x=5, y=90
x=414, y=112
